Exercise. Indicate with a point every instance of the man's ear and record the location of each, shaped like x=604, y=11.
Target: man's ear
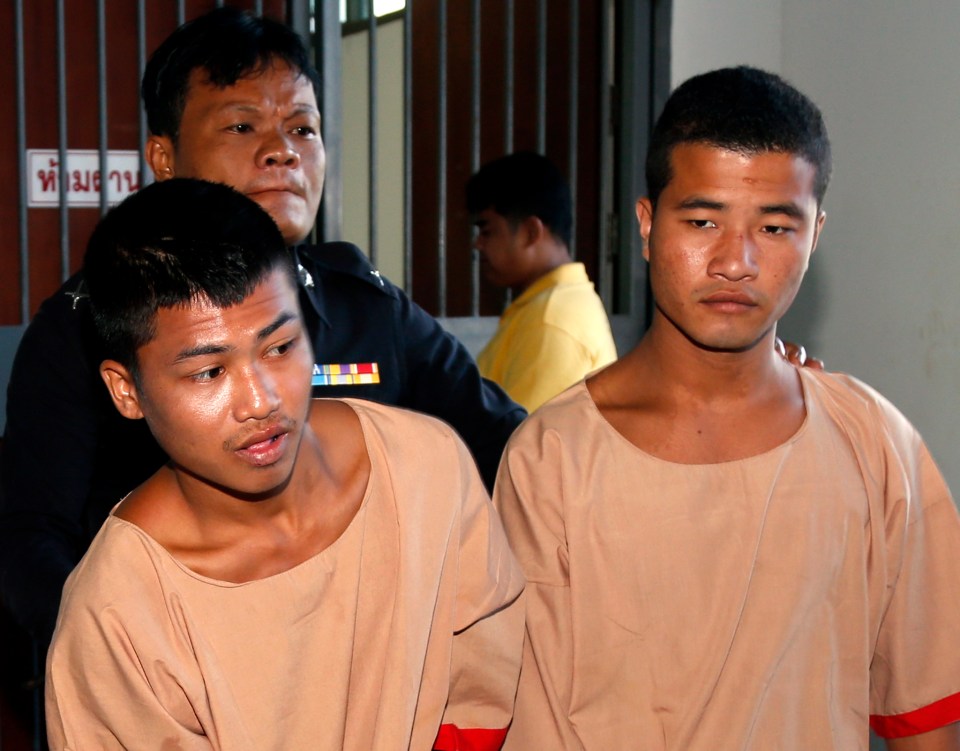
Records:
x=159, y=154
x=644, y=211
x=821, y=218
x=122, y=389
x=533, y=230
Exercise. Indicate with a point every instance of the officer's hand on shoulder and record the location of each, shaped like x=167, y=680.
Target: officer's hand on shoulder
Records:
x=797, y=355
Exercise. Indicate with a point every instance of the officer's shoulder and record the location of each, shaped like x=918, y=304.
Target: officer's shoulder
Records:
x=61, y=325
x=343, y=258
x=72, y=295
x=66, y=307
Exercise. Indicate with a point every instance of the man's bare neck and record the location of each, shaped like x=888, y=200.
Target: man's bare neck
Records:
x=694, y=406
x=553, y=254
x=235, y=539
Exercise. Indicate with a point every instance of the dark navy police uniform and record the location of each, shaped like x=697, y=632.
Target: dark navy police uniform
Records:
x=69, y=456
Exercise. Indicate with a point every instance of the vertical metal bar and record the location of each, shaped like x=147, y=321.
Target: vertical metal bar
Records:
x=102, y=101
x=22, y=165
x=442, y=158
x=408, y=149
x=181, y=12
x=142, y=63
x=474, y=142
x=62, y=142
x=328, y=45
x=299, y=19
x=357, y=10
x=542, y=76
x=606, y=240
x=258, y=7
x=660, y=15
x=573, y=54
x=508, y=79
x=372, y=131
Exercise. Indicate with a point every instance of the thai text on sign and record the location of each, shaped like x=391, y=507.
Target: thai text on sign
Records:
x=82, y=178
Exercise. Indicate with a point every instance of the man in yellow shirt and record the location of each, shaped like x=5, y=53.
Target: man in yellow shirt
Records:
x=556, y=329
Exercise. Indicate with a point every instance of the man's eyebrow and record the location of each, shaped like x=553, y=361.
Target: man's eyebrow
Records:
x=281, y=319
x=306, y=108
x=201, y=350
x=242, y=106
x=204, y=350
x=787, y=209
x=299, y=108
x=696, y=202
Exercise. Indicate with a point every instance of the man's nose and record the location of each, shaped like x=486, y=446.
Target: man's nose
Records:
x=257, y=396
x=279, y=151
x=734, y=257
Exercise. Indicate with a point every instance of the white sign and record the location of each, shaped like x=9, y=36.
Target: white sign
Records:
x=81, y=177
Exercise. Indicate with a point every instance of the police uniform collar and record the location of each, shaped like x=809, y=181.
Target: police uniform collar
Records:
x=315, y=263
x=308, y=286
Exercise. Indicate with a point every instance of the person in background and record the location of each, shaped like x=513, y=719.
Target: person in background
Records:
x=230, y=98
x=290, y=578
x=555, y=331
x=724, y=550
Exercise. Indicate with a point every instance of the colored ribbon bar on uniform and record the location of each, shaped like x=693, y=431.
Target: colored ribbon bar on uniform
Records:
x=345, y=374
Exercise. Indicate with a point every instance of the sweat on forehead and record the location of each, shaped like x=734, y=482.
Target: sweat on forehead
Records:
x=170, y=244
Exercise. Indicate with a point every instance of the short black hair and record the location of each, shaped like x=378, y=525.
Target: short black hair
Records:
x=169, y=244
x=740, y=109
x=227, y=44
x=521, y=185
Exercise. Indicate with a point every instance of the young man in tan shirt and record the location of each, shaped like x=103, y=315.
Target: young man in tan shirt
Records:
x=724, y=550
x=291, y=577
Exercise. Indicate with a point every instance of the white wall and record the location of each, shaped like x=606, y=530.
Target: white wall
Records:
x=356, y=203
x=881, y=297
x=707, y=34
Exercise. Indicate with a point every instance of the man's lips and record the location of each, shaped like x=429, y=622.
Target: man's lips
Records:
x=263, y=447
x=267, y=190
x=729, y=298
x=260, y=436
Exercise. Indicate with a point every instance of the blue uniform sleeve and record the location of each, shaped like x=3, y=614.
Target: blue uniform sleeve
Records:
x=444, y=381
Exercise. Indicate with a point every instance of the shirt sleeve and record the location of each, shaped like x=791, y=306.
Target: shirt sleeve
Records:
x=528, y=496
x=488, y=636
x=915, y=674
x=444, y=381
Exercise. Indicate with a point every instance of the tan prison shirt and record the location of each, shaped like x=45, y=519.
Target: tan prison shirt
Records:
x=773, y=602
x=407, y=629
